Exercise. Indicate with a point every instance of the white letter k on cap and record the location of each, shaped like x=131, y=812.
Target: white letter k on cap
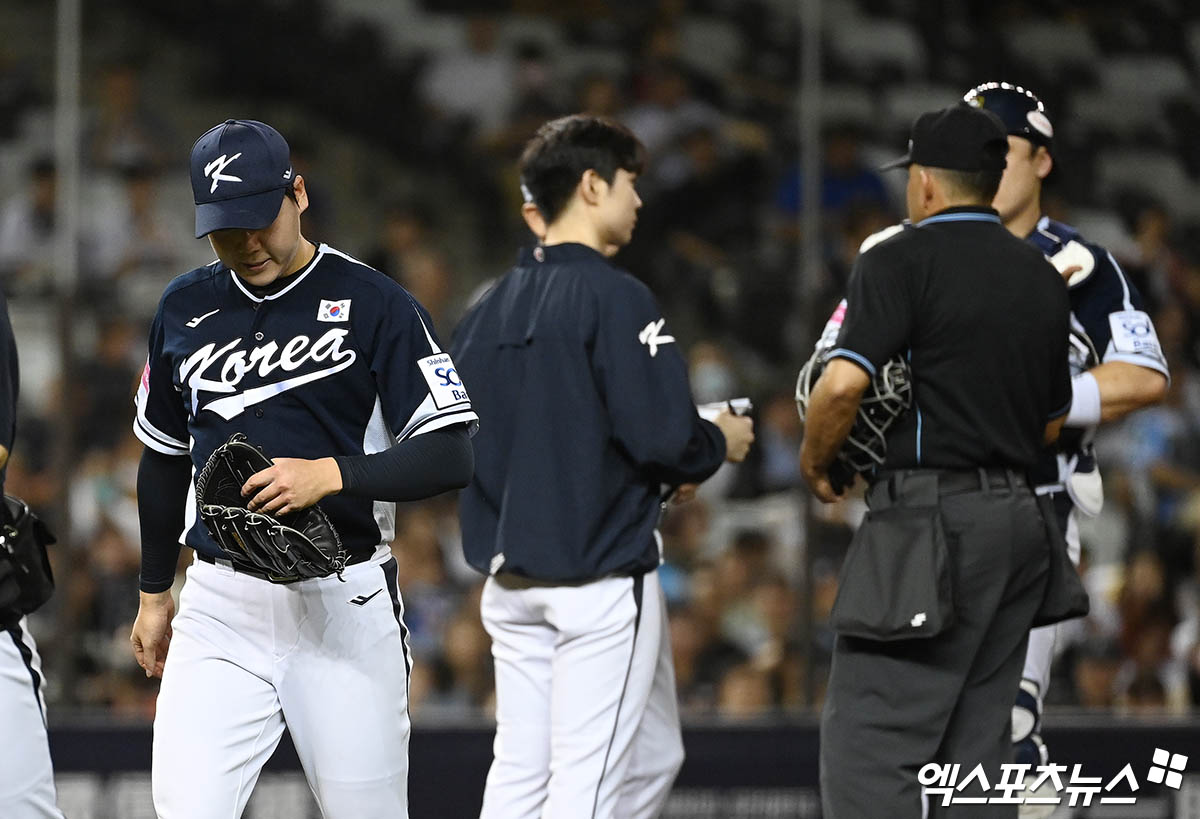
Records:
x=215, y=167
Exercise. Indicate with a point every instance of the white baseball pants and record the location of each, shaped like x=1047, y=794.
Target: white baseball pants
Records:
x=587, y=719
x=326, y=658
x=26, y=777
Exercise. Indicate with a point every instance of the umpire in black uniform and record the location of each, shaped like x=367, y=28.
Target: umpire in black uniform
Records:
x=950, y=568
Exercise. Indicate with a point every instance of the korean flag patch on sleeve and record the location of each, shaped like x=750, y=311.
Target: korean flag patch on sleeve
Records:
x=444, y=384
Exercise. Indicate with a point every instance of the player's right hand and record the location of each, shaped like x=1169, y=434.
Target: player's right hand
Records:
x=739, y=434
x=151, y=633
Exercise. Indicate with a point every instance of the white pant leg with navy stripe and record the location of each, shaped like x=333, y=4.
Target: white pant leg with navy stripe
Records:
x=26, y=776
x=587, y=723
x=325, y=658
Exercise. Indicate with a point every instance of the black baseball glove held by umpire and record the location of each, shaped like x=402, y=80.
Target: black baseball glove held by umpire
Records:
x=300, y=545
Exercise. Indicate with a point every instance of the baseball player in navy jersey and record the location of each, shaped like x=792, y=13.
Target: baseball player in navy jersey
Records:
x=26, y=776
x=335, y=372
x=1117, y=363
x=593, y=415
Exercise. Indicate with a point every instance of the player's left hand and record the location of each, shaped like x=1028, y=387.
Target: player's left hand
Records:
x=292, y=484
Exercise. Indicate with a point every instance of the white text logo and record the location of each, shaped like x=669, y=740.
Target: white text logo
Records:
x=1048, y=784
x=215, y=168
x=1164, y=760
x=651, y=338
x=221, y=370
x=195, y=320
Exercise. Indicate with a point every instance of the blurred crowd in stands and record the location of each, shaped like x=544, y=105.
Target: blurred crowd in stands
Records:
x=407, y=130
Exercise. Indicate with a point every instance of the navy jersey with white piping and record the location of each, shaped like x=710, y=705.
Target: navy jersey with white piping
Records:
x=589, y=413
x=1103, y=301
x=1108, y=322
x=340, y=361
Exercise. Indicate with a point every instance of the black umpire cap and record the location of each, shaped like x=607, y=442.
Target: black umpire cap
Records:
x=958, y=138
x=1019, y=109
x=241, y=170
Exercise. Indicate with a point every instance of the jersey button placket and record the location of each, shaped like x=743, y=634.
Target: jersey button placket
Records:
x=260, y=317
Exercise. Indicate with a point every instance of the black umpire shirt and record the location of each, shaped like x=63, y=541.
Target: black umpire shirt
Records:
x=587, y=413
x=984, y=321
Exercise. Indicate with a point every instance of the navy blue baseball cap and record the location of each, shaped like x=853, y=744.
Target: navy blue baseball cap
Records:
x=1019, y=109
x=240, y=172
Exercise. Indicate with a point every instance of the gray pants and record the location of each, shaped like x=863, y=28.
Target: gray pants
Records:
x=892, y=707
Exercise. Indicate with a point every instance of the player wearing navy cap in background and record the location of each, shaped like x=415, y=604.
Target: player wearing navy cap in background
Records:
x=1117, y=364
x=335, y=372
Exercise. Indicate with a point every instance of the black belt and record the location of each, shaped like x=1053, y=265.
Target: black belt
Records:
x=954, y=481
x=242, y=568
x=511, y=581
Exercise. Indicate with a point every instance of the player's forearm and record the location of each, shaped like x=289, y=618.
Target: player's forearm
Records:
x=1121, y=387
x=1127, y=387
x=162, y=484
x=420, y=467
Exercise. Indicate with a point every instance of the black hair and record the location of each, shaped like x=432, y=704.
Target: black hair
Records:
x=564, y=149
x=978, y=186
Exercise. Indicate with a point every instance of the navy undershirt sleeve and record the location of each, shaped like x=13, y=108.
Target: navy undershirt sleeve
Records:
x=418, y=467
x=162, y=484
